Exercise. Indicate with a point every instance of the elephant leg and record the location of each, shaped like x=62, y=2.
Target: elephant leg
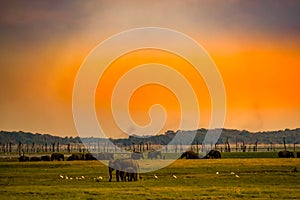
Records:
x=128, y=175
x=117, y=175
x=122, y=176
x=110, y=173
x=135, y=176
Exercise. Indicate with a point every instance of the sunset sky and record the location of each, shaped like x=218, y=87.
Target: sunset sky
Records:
x=255, y=45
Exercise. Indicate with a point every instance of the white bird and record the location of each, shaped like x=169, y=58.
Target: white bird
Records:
x=76, y=178
x=82, y=177
x=237, y=176
x=67, y=177
x=79, y=178
x=71, y=178
x=232, y=173
x=174, y=176
x=61, y=176
x=156, y=177
x=100, y=177
x=217, y=172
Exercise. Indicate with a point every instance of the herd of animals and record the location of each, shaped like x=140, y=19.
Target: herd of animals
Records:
x=127, y=169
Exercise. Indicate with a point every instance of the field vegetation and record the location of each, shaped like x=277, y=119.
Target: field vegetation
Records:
x=261, y=178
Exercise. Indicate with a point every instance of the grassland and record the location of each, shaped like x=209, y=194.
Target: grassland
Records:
x=263, y=178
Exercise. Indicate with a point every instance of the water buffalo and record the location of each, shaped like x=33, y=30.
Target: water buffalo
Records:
x=105, y=156
x=154, y=154
x=57, y=156
x=212, y=154
x=286, y=154
x=23, y=158
x=76, y=156
x=137, y=155
x=33, y=159
x=124, y=167
x=190, y=155
x=45, y=158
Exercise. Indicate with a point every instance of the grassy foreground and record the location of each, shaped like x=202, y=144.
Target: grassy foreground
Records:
x=263, y=178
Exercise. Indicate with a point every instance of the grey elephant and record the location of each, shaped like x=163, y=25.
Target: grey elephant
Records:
x=45, y=158
x=124, y=167
x=105, y=156
x=57, y=156
x=129, y=174
x=286, y=154
x=154, y=155
x=89, y=156
x=190, y=155
x=23, y=158
x=137, y=156
x=214, y=154
x=33, y=159
x=76, y=156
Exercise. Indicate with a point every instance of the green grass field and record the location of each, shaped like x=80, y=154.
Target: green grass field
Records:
x=263, y=178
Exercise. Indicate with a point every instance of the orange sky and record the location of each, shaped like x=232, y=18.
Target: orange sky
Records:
x=257, y=54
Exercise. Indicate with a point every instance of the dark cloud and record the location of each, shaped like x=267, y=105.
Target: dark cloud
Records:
x=264, y=16
x=32, y=32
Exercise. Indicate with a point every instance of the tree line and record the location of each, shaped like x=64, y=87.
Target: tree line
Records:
x=230, y=140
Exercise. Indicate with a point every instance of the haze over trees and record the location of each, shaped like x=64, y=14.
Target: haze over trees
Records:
x=292, y=136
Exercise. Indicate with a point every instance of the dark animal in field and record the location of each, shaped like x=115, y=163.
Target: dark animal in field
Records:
x=154, y=155
x=286, y=154
x=33, y=159
x=213, y=154
x=190, y=155
x=298, y=154
x=89, y=156
x=105, y=156
x=76, y=156
x=23, y=158
x=123, y=167
x=45, y=158
x=295, y=170
x=57, y=156
x=137, y=155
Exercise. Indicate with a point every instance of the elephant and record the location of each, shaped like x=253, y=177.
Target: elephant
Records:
x=45, y=158
x=212, y=154
x=89, y=156
x=137, y=156
x=105, y=156
x=129, y=174
x=57, y=156
x=190, y=155
x=154, y=154
x=124, y=167
x=23, y=158
x=33, y=159
x=286, y=154
x=76, y=156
